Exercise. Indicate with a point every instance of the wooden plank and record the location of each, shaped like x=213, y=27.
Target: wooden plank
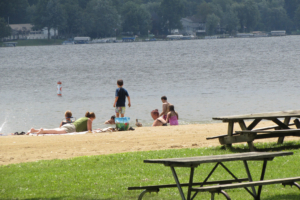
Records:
x=270, y=127
x=230, y=128
x=217, y=188
x=282, y=131
x=242, y=125
x=187, y=184
x=250, y=127
x=280, y=124
x=253, y=124
x=279, y=114
x=297, y=123
x=195, y=161
x=286, y=122
x=275, y=135
x=249, y=137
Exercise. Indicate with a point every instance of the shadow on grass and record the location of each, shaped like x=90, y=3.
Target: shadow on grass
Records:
x=282, y=197
x=263, y=147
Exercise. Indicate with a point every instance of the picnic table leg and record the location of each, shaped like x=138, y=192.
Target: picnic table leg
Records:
x=244, y=127
x=262, y=178
x=286, y=122
x=190, y=183
x=249, y=177
x=251, y=146
x=178, y=183
x=297, y=123
x=230, y=131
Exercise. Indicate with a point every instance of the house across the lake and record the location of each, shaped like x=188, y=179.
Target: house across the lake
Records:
x=26, y=32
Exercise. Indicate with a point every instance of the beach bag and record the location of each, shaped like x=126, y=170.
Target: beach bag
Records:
x=122, y=123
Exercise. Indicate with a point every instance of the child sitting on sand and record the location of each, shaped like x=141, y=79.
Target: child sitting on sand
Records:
x=68, y=116
x=172, y=116
x=158, y=121
x=111, y=120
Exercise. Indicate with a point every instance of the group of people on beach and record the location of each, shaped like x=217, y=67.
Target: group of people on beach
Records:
x=168, y=115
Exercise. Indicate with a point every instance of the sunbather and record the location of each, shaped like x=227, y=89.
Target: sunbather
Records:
x=80, y=125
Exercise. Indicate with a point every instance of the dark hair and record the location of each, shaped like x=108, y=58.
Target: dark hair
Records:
x=163, y=98
x=113, y=117
x=155, y=112
x=172, y=108
x=90, y=115
x=120, y=82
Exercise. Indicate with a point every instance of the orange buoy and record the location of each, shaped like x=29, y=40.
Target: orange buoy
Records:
x=59, y=88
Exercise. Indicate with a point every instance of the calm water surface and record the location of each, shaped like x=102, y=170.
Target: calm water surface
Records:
x=202, y=78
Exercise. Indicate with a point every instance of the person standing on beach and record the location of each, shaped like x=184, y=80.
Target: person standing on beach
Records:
x=165, y=107
x=120, y=99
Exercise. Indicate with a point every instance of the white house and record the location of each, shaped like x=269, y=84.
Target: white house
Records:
x=191, y=26
x=24, y=31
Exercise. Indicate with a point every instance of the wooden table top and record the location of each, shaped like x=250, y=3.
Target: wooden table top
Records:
x=279, y=114
x=195, y=161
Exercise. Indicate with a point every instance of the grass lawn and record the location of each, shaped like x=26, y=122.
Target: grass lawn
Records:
x=38, y=42
x=107, y=177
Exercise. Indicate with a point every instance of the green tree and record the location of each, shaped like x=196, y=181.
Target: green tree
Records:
x=5, y=30
x=291, y=6
x=248, y=15
x=231, y=20
x=297, y=18
x=15, y=10
x=101, y=19
x=203, y=10
x=39, y=18
x=55, y=16
x=136, y=19
x=73, y=16
x=171, y=12
x=50, y=14
x=278, y=19
x=212, y=22
x=156, y=21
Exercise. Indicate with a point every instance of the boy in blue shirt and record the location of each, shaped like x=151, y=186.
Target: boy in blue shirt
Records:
x=120, y=99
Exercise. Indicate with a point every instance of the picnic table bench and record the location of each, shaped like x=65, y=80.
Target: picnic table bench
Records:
x=249, y=134
x=194, y=162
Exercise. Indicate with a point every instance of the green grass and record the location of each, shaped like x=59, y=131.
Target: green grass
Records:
x=38, y=42
x=107, y=177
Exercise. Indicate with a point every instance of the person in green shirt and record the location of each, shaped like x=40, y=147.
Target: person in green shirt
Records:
x=80, y=125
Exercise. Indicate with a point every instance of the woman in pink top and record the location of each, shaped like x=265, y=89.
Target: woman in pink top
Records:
x=172, y=116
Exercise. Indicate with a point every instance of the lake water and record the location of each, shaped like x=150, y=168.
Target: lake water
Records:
x=202, y=78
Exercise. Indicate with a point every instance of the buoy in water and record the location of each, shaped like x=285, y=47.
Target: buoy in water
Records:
x=59, y=88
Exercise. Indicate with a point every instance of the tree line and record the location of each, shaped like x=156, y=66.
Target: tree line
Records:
x=108, y=18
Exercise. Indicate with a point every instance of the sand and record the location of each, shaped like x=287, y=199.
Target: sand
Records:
x=18, y=149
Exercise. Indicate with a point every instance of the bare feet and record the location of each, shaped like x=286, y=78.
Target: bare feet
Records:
x=40, y=131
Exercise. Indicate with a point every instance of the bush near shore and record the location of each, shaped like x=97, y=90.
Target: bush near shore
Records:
x=107, y=177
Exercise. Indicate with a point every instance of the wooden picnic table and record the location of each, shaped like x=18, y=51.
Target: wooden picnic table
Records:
x=249, y=134
x=194, y=162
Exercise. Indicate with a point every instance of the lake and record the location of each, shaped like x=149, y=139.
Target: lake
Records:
x=202, y=78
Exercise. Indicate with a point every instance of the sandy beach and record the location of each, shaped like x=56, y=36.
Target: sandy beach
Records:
x=18, y=149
